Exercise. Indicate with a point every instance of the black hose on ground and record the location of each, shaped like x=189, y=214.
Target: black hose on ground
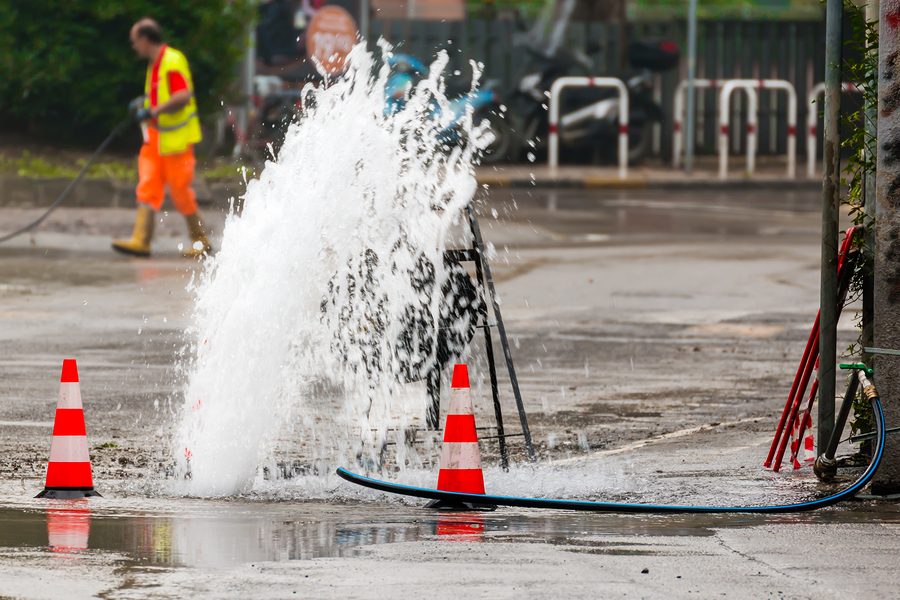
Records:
x=71, y=185
x=460, y=499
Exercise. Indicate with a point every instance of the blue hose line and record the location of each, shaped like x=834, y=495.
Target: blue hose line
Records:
x=582, y=505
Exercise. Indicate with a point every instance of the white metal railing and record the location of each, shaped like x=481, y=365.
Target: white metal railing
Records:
x=607, y=82
x=752, y=115
x=752, y=110
x=812, y=121
x=726, y=87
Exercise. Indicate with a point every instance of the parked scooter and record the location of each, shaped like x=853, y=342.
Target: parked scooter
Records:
x=274, y=107
x=407, y=70
x=589, y=120
x=268, y=113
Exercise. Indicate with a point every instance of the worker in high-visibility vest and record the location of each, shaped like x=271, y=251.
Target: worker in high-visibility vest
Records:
x=168, y=117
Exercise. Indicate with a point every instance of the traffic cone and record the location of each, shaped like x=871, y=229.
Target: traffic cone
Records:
x=69, y=471
x=460, y=458
x=807, y=444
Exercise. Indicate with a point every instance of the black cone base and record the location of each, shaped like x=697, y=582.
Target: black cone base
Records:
x=451, y=506
x=67, y=493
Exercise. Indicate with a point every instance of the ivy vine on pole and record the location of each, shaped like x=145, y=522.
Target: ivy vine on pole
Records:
x=861, y=68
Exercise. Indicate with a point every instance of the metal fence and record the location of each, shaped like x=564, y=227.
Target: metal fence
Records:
x=789, y=50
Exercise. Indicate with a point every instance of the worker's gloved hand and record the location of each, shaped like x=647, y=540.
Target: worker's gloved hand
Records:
x=135, y=105
x=143, y=114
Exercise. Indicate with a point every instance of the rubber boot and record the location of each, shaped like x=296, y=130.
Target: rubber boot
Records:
x=139, y=244
x=199, y=242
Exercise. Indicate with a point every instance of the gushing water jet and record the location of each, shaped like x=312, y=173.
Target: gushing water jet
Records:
x=330, y=290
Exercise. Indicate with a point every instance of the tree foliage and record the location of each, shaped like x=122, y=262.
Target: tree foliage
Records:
x=67, y=70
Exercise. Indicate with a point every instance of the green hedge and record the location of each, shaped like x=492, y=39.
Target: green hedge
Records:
x=67, y=70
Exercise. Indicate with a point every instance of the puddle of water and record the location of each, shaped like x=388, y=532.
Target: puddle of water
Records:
x=220, y=535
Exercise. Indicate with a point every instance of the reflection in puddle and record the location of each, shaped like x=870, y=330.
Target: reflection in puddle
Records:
x=68, y=526
x=220, y=535
x=461, y=527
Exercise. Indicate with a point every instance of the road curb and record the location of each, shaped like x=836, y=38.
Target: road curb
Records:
x=614, y=183
x=34, y=192
x=738, y=184
x=25, y=192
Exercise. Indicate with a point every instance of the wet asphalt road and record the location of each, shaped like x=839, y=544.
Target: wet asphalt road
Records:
x=655, y=336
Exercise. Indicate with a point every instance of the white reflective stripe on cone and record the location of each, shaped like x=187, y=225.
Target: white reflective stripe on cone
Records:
x=460, y=402
x=460, y=455
x=69, y=395
x=69, y=449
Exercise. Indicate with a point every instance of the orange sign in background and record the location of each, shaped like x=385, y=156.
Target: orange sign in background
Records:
x=330, y=37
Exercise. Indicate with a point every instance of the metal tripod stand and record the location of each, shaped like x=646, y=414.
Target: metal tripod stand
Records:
x=476, y=254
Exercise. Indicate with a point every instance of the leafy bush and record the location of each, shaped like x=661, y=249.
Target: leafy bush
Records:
x=27, y=165
x=67, y=70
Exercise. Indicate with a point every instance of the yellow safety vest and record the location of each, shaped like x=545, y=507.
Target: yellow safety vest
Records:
x=177, y=130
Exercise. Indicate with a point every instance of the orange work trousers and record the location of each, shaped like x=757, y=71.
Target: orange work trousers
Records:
x=173, y=170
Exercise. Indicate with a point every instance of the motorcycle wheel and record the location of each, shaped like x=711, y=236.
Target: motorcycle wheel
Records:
x=501, y=148
x=639, y=143
x=276, y=120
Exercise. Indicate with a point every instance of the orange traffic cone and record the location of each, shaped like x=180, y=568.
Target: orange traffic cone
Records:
x=807, y=444
x=69, y=471
x=460, y=458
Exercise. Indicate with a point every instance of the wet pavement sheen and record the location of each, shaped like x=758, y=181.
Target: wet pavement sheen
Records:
x=668, y=312
x=224, y=534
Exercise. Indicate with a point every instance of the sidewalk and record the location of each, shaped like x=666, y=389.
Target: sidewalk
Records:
x=771, y=174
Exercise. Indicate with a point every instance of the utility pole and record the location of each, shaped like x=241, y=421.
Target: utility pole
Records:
x=364, y=9
x=245, y=82
x=691, y=88
x=831, y=201
x=887, y=242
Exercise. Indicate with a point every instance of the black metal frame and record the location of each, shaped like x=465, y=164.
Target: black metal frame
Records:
x=476, y=254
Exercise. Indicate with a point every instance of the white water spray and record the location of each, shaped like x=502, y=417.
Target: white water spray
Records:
x=336, y=256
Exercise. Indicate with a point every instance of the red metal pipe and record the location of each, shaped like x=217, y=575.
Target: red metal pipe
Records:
x=808, y=364
x=795, y=407
x=806, y=419
x=792, y=395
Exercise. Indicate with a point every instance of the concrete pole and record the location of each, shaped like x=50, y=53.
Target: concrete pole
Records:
x=887, y=242
x=364, y=8
x=834, y=12
x=248, y=71
x=868, y=308
x=691, y=118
